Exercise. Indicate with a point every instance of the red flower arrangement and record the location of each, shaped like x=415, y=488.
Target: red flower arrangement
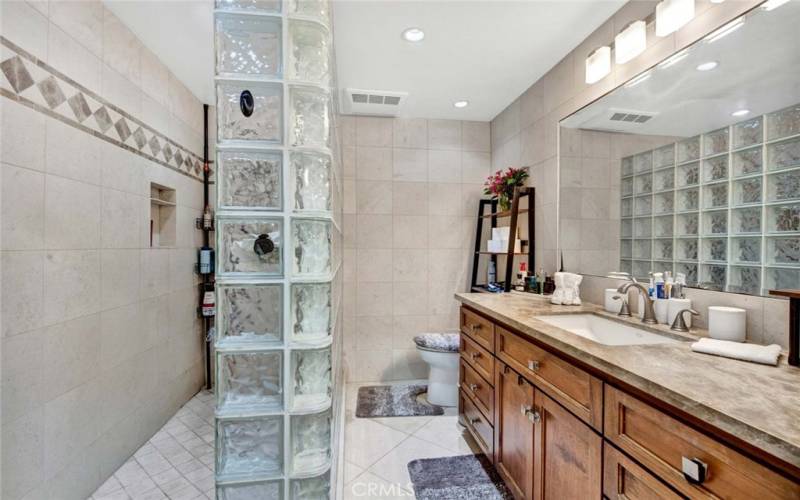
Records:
x=501, y=185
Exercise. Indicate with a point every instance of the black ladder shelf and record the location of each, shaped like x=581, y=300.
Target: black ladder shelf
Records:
x=494, y=215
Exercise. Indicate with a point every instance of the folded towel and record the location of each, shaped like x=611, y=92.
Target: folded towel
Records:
x=764, y=354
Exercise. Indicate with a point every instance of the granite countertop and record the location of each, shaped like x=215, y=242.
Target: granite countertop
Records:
x=760, y=404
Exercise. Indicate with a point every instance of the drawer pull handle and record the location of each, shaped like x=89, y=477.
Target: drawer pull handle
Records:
x=474, y=327
x=473, y=387
x=533, y=365
x=694, y=470
x=532, y=414
x=474, y=420
x=474, y=355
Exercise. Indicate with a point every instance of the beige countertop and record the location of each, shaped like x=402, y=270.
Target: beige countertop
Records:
x=757, y=403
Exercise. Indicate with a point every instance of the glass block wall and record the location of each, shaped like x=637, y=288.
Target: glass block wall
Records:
x=279, y=241
x=722, y=207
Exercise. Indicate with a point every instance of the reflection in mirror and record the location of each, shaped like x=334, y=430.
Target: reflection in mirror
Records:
x=693, y=167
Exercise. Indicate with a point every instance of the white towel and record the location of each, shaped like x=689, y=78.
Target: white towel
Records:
x=764, y=354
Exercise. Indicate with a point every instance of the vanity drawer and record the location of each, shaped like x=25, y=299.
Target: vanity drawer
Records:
x=624, y=479
x=576, y=389
x=477, y=388
x=478, y=358
x=661, y=443
x=478, y=328
x=480, y=428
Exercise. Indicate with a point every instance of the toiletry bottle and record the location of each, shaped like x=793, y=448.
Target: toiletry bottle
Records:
x=491, y=275
x=651, y=289
x=668, y=285
x=523, y=272
x=659, y=282
x=540, y=280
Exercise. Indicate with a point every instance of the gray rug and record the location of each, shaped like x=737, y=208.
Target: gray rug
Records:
x=464, y=477
x=394, y=401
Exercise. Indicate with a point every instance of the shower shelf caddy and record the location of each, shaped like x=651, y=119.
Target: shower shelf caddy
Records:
x=278, y=242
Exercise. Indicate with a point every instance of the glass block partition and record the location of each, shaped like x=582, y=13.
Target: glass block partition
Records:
x=722, y=207
x=279, y=240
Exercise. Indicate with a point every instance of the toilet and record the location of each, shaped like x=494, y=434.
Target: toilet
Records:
x=440, y=351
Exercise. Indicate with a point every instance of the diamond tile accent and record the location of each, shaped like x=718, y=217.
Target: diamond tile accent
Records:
x=44, y=89
x=79, y=107
x=51, y=92
x=167, y=151
x=140, y=138
x=122, y=129
x=155, y=146
x=16, y=73
x=102, y=118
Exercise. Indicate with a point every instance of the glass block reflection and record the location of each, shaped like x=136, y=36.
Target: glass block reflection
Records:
x=784, y=123
x=249, y=180
x=309, y=49
x=627, y=166
x=783, y=186
x=250, y=447
x=781, y=277
x=688, y=174
x=643, y=162
x=686, y=249
x=248, y=380
x=643, y=184
x=715, y=169
x=714, y=276
x=642, y=249
x=716, y=196
x=248, y=45
x=745, y=280
x=626, y=186
x=250, y=313
x=311, y=442
x=312, y=246
x=664, y=180
x=262, y=490
x=784, y=250
x=663, y=227
x=688, y=150
x=747, y=191
x=688, y=200
x=746, y=250
x=312, y=181
x=690, y=270
x=264, y=124
x=312, y=487
x=747, y=133
x=311, y=377
x=715, y=142
x=664, y=203
x=643, y=205
x=311, y=311
x=626, y=228
x=746, y=220
x=747, y=162
x=783, y=218
x=715, y=222
x=662, y=249
x=688, y=225
x=784, y=154
x=664, y=156
x=643, y=227
x=310, y=120
x=237, y=246
x=715, y=249
x=319, y=9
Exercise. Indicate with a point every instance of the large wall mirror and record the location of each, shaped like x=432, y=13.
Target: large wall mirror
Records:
x=693, y=167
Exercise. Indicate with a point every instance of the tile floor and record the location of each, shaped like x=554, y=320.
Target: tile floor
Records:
x=377, y=450
x=177, y=462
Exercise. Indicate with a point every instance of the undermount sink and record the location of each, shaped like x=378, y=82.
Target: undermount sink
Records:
x=604, y=331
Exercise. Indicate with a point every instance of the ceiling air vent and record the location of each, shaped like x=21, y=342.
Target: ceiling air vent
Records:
x=630, y=116
x=373, y=102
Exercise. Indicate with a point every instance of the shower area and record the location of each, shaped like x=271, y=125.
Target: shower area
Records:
x=278, y=251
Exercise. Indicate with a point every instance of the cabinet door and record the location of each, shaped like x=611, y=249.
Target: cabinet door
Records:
x=567, y=454
x=514, y=430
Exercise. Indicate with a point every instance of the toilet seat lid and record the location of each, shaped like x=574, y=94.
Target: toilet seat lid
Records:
x=438, y=342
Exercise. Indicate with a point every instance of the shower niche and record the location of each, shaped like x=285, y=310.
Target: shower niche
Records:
x=278, y=184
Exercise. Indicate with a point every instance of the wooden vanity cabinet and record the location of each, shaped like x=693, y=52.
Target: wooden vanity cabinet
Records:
x=514, y=426
x=558, y=432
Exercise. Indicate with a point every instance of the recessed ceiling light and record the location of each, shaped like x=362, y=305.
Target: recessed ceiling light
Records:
x=707, y=66
x=413, y=35
x=740, y=112
x=461, y=104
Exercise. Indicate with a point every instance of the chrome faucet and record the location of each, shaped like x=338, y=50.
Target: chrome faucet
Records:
x=649, y=313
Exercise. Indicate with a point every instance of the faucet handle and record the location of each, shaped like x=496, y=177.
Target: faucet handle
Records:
x=679, y=324
x=624, y=309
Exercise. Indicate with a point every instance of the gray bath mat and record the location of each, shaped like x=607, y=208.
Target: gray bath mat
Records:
x=464, y=477
x=394, y=401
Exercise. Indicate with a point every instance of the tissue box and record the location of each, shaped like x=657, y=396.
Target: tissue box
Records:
x=501, y=233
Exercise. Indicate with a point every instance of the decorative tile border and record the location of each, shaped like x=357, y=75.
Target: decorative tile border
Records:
x=33, y=83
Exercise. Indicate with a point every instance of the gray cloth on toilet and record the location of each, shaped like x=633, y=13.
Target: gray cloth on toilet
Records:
x=441, y=342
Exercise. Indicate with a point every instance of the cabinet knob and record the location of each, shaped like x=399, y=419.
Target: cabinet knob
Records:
x=473, y=387
x=474, y=327
x=533, y=365
x=474, y=355
x=529, y=412
x=474, y=420
x=694, y=470
x=524, y=409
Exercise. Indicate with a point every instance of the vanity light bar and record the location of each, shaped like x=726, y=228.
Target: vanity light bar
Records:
x=630, y=42
x=672, y=15
x=598, y=64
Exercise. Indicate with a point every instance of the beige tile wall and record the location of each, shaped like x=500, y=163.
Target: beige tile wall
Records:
x=526, y=134
x=411, y=189
x=100, y=344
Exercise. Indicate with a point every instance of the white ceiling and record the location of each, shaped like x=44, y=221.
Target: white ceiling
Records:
x=180, y=33
x=759, y=65
x=487, y=52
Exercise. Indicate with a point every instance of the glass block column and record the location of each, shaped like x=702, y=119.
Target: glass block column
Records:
x=278, y=250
